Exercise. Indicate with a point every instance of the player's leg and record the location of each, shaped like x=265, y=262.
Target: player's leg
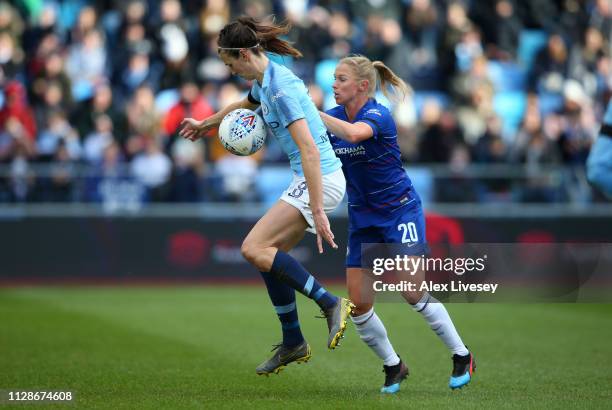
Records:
x=369, y=326
x=409, y=230
x=436, y=315
x=293, y=347
x=372, y=330
x=261, y=248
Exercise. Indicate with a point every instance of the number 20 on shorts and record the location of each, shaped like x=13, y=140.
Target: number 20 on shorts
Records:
x=409, y=232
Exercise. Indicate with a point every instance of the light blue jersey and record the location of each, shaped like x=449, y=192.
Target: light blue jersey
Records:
x=284, y=99
x=599, y=163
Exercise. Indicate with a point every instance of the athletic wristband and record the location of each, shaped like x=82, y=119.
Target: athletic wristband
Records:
x=606, y=130
x=252, y=99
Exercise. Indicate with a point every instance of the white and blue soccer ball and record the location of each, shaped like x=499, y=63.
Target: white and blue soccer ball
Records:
x=242, y=132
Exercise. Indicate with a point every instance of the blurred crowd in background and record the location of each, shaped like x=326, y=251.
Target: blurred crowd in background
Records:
x=507, y=95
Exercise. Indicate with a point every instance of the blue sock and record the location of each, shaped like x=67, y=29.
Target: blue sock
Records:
x=283, y=299
x=289, y=271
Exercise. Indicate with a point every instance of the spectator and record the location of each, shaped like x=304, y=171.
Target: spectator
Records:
x=96, y=142
x=63, y=173
x=441, y=135
x=139, y=71
x=421, y=26
x=491, y=147
x=133, y=42
x=580, y=126
x=86, y=64
x=189, y=171
x=152, y=168
x=237, y=176
x=584, y=58
x=473, y=90
x=507, y=29
x=84, y=117
x=601, y=17
x=87, y=21
x=144, y=121
x=11, y=57
x=191, y=104
x=539, y=14
x=534, y=149
x=131, y=66
x=551, y=67
x=11, y=22
x=42, y=25
x=457, y=24
x=58, y=132
x=17, y=111
x=457, y=187
x=22, y=179
x=53, y=73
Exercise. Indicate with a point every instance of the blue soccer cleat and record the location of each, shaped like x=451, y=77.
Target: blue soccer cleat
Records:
x=394, y=375
x=463, y=367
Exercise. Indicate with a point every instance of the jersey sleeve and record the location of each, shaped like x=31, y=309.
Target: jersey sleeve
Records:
x=288, y=104
x=376, y=119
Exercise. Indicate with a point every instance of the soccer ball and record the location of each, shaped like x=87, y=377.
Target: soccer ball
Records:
x=242, y=132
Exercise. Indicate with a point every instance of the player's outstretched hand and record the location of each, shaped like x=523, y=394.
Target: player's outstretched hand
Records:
x=193, y=129
x=324, y=231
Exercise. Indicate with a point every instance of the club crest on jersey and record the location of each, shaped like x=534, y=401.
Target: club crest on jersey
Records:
x=374, y=111
x=276, y=96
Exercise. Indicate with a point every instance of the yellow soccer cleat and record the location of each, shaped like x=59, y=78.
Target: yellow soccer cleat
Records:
x=336, y=321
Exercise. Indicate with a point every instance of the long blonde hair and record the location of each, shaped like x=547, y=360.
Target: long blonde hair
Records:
x=377, y=74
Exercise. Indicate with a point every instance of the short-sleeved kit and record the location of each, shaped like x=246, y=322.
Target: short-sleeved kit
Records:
x=284, y=99
x=383, y=205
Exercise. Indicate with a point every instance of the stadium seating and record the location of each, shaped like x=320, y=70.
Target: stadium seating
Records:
x=271, y=182
x=324, y=74
x=506, y=76
x=420, y=97
x=530, y=42
x=510, y=106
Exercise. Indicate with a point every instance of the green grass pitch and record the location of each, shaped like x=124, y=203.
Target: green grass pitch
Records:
x=197, y=347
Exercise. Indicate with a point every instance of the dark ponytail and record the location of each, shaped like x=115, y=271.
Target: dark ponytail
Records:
x=246, y=32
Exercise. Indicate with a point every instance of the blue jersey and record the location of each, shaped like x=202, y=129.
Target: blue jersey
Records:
x=377, y=185
x=284, y=99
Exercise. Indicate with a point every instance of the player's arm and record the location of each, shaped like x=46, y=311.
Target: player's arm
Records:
x=353, y=133
x=311, y=164
x=193, y=129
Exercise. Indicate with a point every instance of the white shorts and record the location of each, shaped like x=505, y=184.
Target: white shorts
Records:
x=334, y=186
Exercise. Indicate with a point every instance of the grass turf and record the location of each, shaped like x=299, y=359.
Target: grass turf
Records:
x=181, y=347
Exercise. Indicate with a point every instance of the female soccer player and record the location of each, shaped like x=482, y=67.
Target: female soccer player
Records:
x=383, y=207
x=318, y=184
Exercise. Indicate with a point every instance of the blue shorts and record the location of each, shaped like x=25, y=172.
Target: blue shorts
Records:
x=407, y=228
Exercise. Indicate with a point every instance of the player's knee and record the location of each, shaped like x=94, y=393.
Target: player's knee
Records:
x=413, y=297
x=361, y=308
x=249, y=252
